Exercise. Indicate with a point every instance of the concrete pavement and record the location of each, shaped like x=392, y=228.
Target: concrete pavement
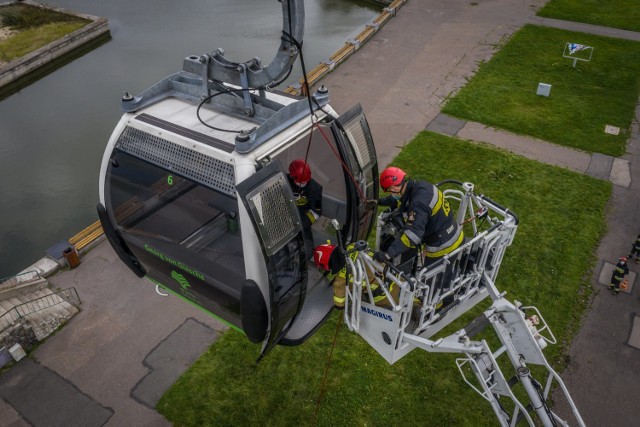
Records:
x=401, y=77
x=112, y=362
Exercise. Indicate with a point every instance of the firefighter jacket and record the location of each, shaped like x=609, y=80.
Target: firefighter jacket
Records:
x=428, y=220
x=621, y=269
x=309, y=201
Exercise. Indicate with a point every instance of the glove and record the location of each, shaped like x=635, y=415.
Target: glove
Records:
x=381, y=256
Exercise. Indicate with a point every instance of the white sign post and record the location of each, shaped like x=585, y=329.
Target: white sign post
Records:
x=577, y=52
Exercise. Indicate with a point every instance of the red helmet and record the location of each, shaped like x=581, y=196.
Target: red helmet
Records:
x=322, y=256
x=623, y=259
x=325, y=257
x=391, y=176
x=300, y=172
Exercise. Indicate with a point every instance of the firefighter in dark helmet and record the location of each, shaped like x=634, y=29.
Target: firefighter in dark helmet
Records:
x=619, y=271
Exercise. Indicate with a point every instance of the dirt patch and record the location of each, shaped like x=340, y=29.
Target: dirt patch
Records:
x=6, y=32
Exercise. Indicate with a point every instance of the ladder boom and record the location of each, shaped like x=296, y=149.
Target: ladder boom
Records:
x=432, y=298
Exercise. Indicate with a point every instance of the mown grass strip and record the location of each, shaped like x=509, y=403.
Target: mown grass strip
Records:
x=549, y=265
x=23, y=16
x=624, y=14
x=29, y=40
x=584, y=99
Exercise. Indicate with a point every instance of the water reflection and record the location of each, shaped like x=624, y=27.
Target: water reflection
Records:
x=53, y=132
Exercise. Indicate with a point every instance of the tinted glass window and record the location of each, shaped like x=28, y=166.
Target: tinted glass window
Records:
x=189, y=233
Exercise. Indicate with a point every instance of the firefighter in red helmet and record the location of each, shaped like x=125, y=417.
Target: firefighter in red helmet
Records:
x=619, y=271
x=308, y=196
x=427, y=220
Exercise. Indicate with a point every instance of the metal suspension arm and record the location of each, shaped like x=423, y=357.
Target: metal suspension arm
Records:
x=218, y=68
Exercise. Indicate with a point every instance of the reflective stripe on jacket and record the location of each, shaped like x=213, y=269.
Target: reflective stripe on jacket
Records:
x=428, y=219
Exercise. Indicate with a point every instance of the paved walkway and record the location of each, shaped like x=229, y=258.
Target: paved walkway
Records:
x=117, y=356
x=601, y=166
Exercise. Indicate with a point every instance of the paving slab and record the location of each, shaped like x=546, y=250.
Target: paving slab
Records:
x=171, y=358
x=600, y=166
x=620, y=172
x=445, y=124
x=634, y=334
x=60, y=403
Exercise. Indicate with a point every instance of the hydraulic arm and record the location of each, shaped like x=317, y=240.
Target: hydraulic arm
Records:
x=432, y=298
x=251, y=73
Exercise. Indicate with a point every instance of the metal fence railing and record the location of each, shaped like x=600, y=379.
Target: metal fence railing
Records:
x=26, y=275
x=69, y=295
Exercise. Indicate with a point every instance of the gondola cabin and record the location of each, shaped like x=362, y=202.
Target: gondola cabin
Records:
x=195, y=196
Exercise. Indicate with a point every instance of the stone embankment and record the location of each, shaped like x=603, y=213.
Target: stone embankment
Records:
x=98, y=28
x=30, y=311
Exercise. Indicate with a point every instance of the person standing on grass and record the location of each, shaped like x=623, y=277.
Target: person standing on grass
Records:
x=635, y=250
x=619, y=271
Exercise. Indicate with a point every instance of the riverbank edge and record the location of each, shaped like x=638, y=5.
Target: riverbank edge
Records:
x=31, y=63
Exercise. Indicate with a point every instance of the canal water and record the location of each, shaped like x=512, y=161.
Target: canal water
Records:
x=53, y=132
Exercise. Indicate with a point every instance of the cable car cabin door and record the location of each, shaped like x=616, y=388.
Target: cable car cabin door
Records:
x=268, y=310
x=355, y=143
x=297, y=302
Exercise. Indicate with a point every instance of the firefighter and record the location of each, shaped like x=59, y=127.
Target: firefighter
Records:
x=308, y=196
x=327, y=258
x=619, y=271
x=427, y=220
x=635, y=250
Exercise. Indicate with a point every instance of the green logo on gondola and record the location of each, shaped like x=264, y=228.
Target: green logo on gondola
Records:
x=184, y=283
x=184, y=286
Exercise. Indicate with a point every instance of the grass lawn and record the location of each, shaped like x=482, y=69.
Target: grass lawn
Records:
x=623, y=14
x=29, y=40
x=35, y=26
x=583, y=99
x=337, y=379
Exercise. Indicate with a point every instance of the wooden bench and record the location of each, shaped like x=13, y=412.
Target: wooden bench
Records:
x=94, y=231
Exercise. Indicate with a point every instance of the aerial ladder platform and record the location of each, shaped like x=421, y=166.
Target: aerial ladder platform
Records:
x=430, y=299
